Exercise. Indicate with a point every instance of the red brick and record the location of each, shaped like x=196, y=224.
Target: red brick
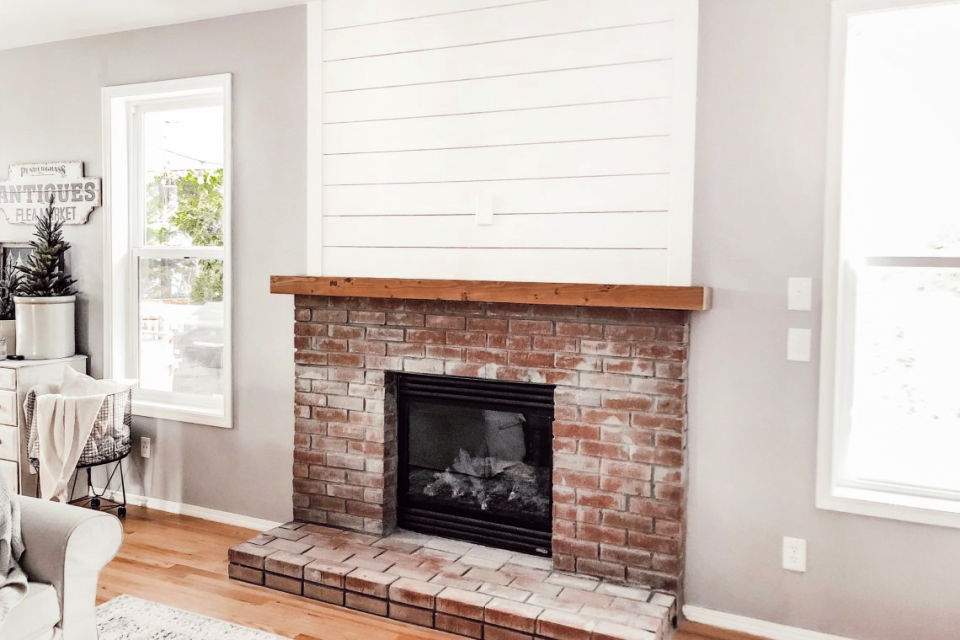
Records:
x=531, y=359
x=605, y=348
x=554, y=343
x=461, y=603
x=629, y=333
x=411, y=615
x=626, y=556
x=429, y=336
x=366, y=604
x=445, y=322
x=466, y=338
x=405, y=319
x=576, y=430
x=459, y=626
x=511, y=615
x=630, y=401
x=580, y=330
x=601, y=534
x=485, y=356
x=542, y=327
x=490, y=325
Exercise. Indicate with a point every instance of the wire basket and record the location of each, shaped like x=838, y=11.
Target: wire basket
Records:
x=109, y=440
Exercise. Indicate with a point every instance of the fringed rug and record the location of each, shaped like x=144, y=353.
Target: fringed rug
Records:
x=129, y=618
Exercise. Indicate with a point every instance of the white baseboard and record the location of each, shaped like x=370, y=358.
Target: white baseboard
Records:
x=752, y=626
x=223, y=517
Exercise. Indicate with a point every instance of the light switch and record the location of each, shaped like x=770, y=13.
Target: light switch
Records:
x=798, y=344
x=799, y=294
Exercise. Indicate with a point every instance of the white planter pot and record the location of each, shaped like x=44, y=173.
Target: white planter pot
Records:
x=45, y=327
x=8, y=333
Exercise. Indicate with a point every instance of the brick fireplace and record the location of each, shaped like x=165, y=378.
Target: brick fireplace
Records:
x=618, y=432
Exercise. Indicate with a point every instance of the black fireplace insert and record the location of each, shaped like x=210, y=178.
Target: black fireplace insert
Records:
x=476, y=460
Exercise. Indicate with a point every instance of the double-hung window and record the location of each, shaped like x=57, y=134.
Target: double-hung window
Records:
x=167, y=268
x=890, y=394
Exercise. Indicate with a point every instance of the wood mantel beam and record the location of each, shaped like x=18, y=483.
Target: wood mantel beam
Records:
x=586, y=295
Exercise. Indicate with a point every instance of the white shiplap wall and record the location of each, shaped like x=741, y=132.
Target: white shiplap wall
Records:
x=545, y=140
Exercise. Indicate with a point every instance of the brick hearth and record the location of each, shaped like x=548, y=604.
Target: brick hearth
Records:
x=454, y=586
x=619, y=432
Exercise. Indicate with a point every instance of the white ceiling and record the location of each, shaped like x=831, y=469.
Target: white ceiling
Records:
x=26, y=22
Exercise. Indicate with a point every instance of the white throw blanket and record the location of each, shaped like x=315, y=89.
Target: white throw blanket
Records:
x=64, y=422
x=13, y=581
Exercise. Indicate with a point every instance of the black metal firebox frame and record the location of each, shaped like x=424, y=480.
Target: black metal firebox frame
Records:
x=523, y=533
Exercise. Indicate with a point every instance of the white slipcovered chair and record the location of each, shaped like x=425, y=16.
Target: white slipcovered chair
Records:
x=65, y=549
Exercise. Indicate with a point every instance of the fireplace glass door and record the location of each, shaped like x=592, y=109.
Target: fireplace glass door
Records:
x=476, y=460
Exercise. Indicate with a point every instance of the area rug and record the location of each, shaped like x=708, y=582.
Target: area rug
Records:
x=129, y=618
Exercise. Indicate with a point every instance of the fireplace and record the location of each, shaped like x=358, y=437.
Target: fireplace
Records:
x=475, y=460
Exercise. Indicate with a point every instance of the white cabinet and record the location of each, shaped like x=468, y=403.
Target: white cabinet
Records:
x=17, y=377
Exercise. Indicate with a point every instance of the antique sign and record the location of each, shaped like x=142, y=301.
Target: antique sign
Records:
x=27, y=192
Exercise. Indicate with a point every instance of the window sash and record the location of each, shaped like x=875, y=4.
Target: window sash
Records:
x=835, y=490
x=123, y=108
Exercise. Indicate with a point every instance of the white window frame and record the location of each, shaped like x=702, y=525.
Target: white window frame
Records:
x=120, y=285
x=834, y=492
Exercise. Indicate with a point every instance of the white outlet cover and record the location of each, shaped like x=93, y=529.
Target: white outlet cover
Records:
x=794, y=554
x=799, y=294
x=798, y=344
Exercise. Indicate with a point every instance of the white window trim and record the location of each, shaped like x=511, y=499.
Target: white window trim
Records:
x=118, y=339
x=834, y=493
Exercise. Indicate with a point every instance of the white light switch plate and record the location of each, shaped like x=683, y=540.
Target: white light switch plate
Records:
x=799, y=294
x=794, y=554
x=798, y=344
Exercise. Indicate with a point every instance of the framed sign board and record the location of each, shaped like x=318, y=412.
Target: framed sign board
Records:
x=30, y=187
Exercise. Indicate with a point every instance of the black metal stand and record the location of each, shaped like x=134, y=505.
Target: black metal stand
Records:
x=94, y=500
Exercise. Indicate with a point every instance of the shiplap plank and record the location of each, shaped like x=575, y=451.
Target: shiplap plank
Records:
x=635, y=81
x=611, y=266
x=608, y=46
x=489, y=25
x=562, y=159
x=590, y=194
x=338, y=14
x=572, y=230
x=597, y=121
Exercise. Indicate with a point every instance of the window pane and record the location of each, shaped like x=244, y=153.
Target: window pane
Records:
x=181, y=327
x=183, y=176
x=905, y=414
x=901, y=128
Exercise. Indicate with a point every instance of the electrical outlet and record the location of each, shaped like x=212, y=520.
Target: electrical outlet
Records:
x=794, y=554
x=144, y=447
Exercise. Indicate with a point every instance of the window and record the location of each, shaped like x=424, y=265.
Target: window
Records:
x=167, y=268
x=890, y=408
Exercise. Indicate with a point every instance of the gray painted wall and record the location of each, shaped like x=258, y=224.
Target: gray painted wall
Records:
x=753, y=415
x=50, y=110
x=759, y=207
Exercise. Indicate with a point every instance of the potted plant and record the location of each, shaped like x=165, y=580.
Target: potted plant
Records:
x=9, y=281
x=45, y=297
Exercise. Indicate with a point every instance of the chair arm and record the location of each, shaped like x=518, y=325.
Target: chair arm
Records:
x=67, y=546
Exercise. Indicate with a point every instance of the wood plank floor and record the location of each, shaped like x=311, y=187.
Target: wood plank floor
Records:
x=182, y=562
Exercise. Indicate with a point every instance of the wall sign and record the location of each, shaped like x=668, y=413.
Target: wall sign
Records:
x=26, y=193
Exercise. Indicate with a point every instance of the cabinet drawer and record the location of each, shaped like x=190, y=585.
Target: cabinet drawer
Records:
x=8, y=407
x=9, y=443
x=8, y=379
x=10, y=472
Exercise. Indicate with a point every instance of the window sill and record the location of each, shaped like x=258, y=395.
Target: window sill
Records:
x=190, y=415
x=893, y=506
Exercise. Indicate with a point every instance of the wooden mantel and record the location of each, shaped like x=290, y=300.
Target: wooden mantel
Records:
x=586, y=295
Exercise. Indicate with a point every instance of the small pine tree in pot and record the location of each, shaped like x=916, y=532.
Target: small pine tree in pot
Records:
x=9, y=281
x=45, y=297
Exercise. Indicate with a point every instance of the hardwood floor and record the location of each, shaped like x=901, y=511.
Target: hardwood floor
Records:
x=182, y=562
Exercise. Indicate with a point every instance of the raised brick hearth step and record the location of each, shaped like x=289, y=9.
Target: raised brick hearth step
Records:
x=454, y=586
